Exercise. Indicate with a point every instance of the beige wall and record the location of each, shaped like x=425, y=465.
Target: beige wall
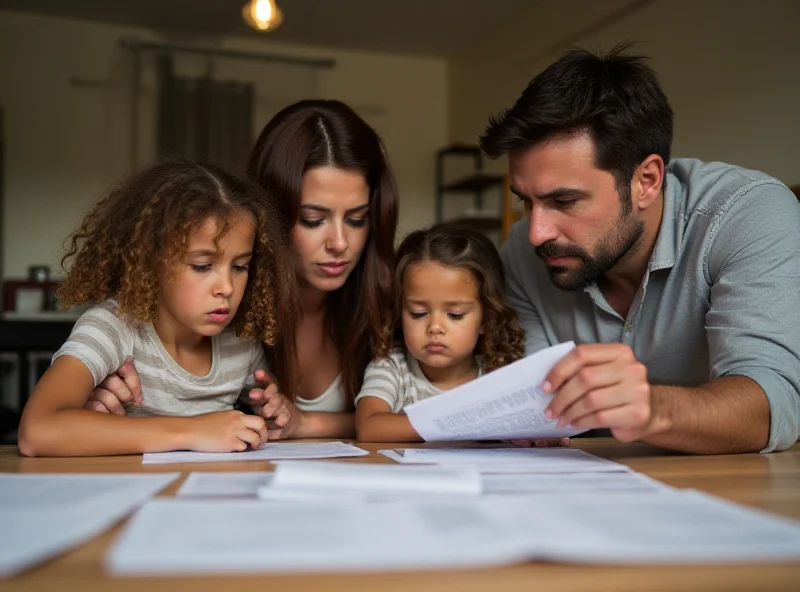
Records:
x=729, y=67
x=65, y=89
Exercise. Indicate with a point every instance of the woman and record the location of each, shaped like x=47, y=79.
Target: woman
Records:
x=327, y=168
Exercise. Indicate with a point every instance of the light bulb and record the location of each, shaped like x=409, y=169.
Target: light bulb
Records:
x=262, y=15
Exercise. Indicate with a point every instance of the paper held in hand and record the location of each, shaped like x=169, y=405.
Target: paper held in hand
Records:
x=506, y=404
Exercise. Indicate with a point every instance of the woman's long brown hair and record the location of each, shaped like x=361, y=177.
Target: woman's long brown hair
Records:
x=317, y=133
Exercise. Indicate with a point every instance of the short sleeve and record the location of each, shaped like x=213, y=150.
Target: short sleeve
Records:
x=100, y=340
x=383, y=379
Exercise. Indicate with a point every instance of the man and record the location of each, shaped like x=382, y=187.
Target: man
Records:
x=679, y=280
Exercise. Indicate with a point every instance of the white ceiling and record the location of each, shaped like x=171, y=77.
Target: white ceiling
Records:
x=422, y=27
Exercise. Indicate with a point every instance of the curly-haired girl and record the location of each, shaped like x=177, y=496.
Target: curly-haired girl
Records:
x=452, y=315
x=169, y=260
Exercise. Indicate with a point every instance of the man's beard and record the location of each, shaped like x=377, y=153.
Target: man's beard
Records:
x=610, y=251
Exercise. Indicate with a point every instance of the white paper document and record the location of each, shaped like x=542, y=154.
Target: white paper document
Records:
x=269, y=451
x=508, y=460
x=367, y=482
x=44, y=515
x=569, y=483
x=684, y=526
x=353, y=484
x=196, y=537
x=505, y=404
x=224, y=484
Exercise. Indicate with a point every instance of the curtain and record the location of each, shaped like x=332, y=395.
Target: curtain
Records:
x=204, y=119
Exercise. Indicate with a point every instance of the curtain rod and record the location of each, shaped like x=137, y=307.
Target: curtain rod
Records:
x=137, y=45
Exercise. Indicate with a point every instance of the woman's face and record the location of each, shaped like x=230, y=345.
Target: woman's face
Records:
x=332, y=227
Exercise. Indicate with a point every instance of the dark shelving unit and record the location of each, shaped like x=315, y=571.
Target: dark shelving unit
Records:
x=473, y=185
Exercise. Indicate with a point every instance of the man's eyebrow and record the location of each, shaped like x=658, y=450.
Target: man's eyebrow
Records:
x=556, y=193
x=564, y=192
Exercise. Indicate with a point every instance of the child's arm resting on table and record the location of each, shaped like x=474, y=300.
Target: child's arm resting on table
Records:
x=54, y=423
x=375, y=422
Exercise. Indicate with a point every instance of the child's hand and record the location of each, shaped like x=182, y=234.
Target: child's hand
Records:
x=564, y=442
x=226, y=431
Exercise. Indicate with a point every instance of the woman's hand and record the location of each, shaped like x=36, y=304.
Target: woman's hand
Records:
x=282, y=417
x=117, y=390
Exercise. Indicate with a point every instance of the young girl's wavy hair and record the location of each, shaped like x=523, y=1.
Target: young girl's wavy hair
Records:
x=137, y=237
x=462, y=247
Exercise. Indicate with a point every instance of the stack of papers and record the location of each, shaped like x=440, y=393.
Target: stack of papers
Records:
x=253, y=485
x=295, y=481
x=508, y=460
x=225, y=484
x=506, y=404
x=44, y=515
x=199, y=536
x=269, y=451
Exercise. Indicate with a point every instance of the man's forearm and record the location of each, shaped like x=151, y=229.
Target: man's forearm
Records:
x=726, y=415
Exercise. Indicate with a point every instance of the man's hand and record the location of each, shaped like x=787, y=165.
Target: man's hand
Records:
x=117, y=390
x=601, y=386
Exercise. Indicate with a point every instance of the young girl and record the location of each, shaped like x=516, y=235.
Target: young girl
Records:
x=170, y=259
x=451, y=313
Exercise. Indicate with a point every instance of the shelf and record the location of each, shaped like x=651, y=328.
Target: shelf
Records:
x=474, y=183
x=482, y=224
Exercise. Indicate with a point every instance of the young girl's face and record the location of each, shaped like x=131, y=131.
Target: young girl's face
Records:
x=442, y=314
x=333, y=226
x=210, y=281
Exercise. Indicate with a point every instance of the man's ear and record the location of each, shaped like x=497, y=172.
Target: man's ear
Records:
x=648, y=179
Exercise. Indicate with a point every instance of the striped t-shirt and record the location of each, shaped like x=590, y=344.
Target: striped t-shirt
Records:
x=398, y=380
x=102, y=341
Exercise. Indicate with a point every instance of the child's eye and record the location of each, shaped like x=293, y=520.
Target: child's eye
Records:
x=456, y=316
x=311, y=223
x=201, y=268
x=417, y=315
x=241, y=268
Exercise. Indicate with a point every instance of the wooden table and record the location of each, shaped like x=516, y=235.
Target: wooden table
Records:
x=770, y=482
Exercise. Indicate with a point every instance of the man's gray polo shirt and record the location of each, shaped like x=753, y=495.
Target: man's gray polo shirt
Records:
x=721, y=295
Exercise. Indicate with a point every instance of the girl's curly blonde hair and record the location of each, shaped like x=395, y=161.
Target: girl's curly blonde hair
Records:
x=141, y=229
x=454, y=245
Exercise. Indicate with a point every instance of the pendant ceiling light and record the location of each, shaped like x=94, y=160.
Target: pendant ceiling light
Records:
x=262, y=15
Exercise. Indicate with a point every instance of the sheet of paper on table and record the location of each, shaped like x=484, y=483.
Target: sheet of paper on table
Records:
x=172, y=537
x=508, y=460
x=44, y=515
x=269, y=451
x=368, y=482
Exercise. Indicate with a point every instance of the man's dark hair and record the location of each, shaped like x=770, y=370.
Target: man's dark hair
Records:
x=616, y=98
